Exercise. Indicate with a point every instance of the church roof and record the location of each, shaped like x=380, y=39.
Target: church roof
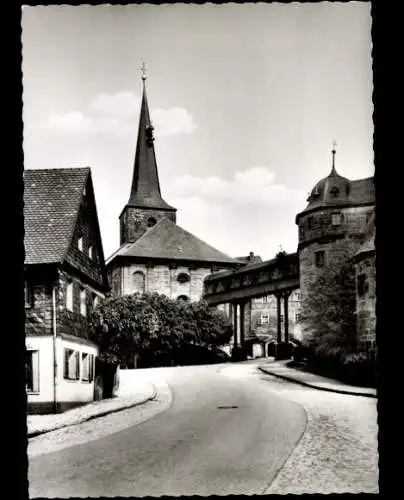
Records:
x=166, y=240
x=51, y=204
x=145, y=192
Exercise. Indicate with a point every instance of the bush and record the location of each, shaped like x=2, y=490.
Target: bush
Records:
x=359, y=368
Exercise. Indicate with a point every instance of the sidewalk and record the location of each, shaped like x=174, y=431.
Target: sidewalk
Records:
x=279, y=369
x=133, y=391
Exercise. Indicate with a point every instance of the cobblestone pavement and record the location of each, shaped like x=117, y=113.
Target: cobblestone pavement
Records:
x=338, y=451
x=103, y=426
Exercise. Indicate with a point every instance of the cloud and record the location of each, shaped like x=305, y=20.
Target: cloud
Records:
x=253, y=186
x=118, y=114
x=250, y=212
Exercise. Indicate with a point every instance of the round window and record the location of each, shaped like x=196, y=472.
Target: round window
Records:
x=183, y=278
x=151, y=221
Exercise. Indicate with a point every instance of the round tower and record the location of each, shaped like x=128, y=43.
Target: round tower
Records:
x=331, y=227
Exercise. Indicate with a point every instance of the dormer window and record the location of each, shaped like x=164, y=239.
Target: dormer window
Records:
x=80, y=244
x=334, y=191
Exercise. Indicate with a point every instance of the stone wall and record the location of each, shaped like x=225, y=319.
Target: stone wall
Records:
x=366, y=301
x=134, y=222
x=163, y=279
x=338, y=242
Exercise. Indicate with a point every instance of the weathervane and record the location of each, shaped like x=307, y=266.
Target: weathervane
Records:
x=334, y=145
x=143, y=70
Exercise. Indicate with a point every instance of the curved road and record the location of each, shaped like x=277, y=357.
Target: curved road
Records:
x=222, y=434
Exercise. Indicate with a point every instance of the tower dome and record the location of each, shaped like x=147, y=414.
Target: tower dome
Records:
x=329, y=191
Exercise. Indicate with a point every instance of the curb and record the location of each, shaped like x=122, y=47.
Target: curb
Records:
x=320, y=388
x=97, y=415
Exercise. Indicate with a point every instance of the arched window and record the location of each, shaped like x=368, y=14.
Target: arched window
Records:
x=138, y=282
x=184, y=298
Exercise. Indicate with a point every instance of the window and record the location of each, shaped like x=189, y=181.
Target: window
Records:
x=83, y=305
x=282, y=319
x=265, y=299
x=336, y=219
x=28, y=295
x=80, y=244
x=96, y=300
x=320, y=258
x=362, y=285
x=87, y=367
x=298, y=296
x=297, y=317
x=32, y=371
x=71, y=365
x=138, y=282
x=183, y=278
x=184, y=298
x=69, y=296
x=151, y=221
x=90, y=252
x=264, y=319
x=309, y=222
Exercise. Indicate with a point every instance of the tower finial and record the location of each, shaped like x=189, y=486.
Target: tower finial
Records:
x=143, y=70
x=334, y=145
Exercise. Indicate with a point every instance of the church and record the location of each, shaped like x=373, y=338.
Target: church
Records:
x=156, y=254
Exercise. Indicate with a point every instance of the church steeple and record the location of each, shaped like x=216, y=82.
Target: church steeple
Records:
x=145, y=205
x=145, y=191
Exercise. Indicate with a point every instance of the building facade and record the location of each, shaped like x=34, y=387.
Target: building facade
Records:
x=155, y=254
x=332, y=226
x=65, y=277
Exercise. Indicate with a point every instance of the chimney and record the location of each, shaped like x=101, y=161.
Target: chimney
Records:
x=251, y=257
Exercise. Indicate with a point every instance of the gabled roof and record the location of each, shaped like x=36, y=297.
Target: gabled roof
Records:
x=166, y=240
x=51, y=204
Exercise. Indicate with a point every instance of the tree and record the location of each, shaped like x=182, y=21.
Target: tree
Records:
x=152, y=326
x=328, y=313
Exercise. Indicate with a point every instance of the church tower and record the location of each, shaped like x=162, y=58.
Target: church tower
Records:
x=145, y=206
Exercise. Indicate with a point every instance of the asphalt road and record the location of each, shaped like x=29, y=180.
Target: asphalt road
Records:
x=222, y=434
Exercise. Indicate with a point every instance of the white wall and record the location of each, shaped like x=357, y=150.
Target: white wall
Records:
x=45, y=347
x=73, y=390
x=66, y=390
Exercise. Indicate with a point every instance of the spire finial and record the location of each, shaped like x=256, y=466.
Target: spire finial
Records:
x=334, y=145
x=143, y=70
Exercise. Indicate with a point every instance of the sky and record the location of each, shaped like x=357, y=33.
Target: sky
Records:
x=246, y=101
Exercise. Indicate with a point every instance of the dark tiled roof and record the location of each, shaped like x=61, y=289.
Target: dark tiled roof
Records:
x=359, y=192
x=51, y=204
x=166, y=240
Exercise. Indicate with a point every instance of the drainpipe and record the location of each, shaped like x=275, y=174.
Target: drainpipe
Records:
x=55, y=363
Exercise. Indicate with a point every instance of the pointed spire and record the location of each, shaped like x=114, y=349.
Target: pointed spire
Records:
x=145, y=190
x=334, y=145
